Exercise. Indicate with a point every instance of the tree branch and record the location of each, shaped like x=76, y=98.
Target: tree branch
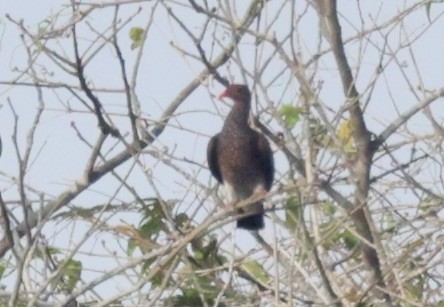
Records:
x=362, y=219
x=131, y=150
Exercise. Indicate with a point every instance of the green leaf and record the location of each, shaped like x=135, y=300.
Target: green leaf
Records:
x=2, y=269
x=428, y=5
x=199, y=255
x=48, y=250
x=292, y=212
x=204, y=284
x=256, y=270
x=131, y=247
x=329, y=209
x=181, y=220
x=206, y=255
x=415, y=287
x=391, y=223
x=190, y=297
x=71, y=274
x=319, y=133
x=157, y=279
x=350, y=240
x=332, y=236
x=136, y=36
x=191, y=293
x=290, y=114
x=221, y=259
x=211, y=249
x=345, y=133
x=146, y=265
x=85, y=213
x=53, y=250
x=43, y=26
x=153, y=223
x=151, y=227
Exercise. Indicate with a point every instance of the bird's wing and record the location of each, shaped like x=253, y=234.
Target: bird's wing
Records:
x=265, y=156
x=212, y=153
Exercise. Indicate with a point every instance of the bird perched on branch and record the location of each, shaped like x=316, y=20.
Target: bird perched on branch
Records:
x=240, y=158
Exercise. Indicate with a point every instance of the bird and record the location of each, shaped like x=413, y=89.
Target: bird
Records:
x=241, y=159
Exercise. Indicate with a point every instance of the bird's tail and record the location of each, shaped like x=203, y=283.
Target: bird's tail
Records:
x=254, y=221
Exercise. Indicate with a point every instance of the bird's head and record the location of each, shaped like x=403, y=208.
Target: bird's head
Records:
x=237, y=92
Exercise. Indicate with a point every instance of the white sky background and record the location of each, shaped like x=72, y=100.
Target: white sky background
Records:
x=163, y=73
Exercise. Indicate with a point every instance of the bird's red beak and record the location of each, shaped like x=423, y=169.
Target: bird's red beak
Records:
x=224, y=94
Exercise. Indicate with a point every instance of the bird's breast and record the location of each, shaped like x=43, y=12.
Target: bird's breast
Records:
x=238, y=162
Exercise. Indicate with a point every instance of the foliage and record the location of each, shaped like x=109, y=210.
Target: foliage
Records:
x=290, y=114
x=136, y=36
x=345, y=134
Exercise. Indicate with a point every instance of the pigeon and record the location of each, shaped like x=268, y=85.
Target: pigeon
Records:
x=241, y=159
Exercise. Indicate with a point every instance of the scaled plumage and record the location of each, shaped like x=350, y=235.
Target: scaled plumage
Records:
x=240, y=158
